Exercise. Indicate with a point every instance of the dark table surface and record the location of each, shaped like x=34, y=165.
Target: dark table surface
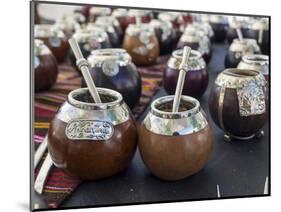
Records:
x=238, y=167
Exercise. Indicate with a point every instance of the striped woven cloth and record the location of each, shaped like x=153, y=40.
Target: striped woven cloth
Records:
x=59, y=185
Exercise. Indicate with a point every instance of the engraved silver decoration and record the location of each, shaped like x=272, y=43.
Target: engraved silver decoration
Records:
x=195, y=60
x=114, y=112
x=89, y=130
x=175, y=123
x=110, y=68
x=251, y=100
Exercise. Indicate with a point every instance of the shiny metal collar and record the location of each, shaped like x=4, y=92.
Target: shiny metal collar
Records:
x=238, y=78
x=195, y=60
x=78, y=107
x=186, y=122
x=255, y=59
x=117, y=56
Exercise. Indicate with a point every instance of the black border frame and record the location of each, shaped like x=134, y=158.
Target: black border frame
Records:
x=31, y=145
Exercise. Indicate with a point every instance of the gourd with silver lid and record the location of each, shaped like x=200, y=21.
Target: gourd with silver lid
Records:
x=238, y=103
x=89, y=40
x=196, y=80
x=114, y=69
x=92, y=141
x=175, y=145
x=141, y=43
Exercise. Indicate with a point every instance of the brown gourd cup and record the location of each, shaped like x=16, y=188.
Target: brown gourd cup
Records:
x=45, y=67
x=238, y=103
x=141, y=43
x=90, y=140
x=197, y=77
x=175, y=145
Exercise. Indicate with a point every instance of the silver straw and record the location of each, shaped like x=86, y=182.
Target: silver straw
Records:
x=218, y=191
x=239, y=33
x=43, y=174
x=183, y=69
x=40, y=151
x=83, y=65
x=265, y=190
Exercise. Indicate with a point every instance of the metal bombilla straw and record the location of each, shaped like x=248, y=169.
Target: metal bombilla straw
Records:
x=239, y=33
x=83, y=65
x=238, y=30
x=183, y=69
